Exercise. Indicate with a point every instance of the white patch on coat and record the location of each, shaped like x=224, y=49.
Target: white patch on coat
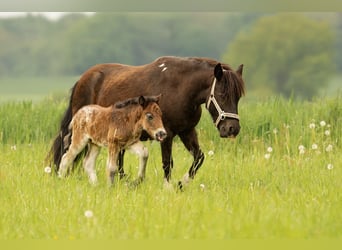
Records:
x=88, y=113
x=164, y=69
x=161, y=65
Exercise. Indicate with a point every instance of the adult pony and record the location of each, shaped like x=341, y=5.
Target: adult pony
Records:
x=185, y=84
x=117, y=127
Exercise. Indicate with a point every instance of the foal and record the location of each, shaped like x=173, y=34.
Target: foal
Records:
x=117, y=127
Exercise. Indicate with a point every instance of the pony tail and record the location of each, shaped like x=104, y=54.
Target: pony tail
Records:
x=59, y=146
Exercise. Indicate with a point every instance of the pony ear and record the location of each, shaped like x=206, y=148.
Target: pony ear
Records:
x=218, y=72
x=142, y=101
x=239, y=70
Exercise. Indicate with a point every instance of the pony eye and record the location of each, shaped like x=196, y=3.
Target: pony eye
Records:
x=149, y=116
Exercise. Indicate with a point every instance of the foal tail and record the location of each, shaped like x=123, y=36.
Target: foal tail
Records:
x=62, y=140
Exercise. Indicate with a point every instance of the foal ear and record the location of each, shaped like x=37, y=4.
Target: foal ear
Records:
x=239, y=70
x=158, y=98
x=218, y=71
x=142, y=101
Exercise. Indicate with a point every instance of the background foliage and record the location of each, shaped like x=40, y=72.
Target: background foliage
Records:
x=282, y=53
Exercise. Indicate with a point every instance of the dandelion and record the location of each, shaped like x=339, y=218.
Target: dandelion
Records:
x=47, y=169
x=269, y=149
x=330, y=166
x=275, y=131
x=329, y=148
x=202, y=186
x=301, y=149
x=89, y=214
x=14, y=147
x=327, y=132
x=210, y=153
x=314, y=146
x=312, y=125
x=322, y=123
x=267, y=156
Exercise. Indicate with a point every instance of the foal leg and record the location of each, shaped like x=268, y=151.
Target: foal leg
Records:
x=112, y=160
x=142, y=152
x=78, y=143
x=190, y=141
x=89, y=162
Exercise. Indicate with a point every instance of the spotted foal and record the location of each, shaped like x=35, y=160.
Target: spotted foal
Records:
x=117, y=127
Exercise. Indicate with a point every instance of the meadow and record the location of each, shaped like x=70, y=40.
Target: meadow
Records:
x=280, y=178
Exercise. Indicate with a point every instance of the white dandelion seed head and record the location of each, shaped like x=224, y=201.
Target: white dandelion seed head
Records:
x=327, y=132
x=267, y=156
x=47, y=169
x=301, y=147
x=330, y=166
x=88, y=214
x=275, y=131
x=14, y=147
x=269, y=149
x=312, y=125
x=329, y=148
x=314, y=146
x=322, y=123
x=211, y=152
x=202, y=186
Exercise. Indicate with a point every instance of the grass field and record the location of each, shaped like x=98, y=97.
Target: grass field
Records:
x=280, y=178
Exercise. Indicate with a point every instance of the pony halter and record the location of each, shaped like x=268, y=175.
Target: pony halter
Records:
x=221, y=114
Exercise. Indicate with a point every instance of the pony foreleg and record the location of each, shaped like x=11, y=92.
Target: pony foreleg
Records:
x=121, y=164
x=142, y=152
x=190, y=141
x=90, y=161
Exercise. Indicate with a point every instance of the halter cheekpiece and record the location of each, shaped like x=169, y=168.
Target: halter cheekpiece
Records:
x=221, y=114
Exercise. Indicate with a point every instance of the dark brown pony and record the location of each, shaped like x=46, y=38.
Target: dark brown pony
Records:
x=185, y=84
x=117, y=127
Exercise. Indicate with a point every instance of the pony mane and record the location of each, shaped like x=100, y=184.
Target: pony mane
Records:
x=235, y=86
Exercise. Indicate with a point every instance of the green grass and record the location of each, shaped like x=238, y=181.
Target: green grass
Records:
x=34, y=88
x=245, y=195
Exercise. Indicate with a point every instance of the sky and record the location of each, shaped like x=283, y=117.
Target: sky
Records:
x=50, y=15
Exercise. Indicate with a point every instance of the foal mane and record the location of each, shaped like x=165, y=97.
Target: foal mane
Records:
x=128, y=102
x=137, y=101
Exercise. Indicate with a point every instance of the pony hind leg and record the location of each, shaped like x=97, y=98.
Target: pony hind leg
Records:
x=142, y=152
x=76, y=146
x=89, y=162
x=190, y=141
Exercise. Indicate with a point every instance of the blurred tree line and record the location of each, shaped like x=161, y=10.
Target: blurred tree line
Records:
x=274, y=53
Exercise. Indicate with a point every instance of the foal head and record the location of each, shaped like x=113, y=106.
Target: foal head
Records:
x=222, y=103
x=151, y=116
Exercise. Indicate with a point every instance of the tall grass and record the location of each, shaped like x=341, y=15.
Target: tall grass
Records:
x=270, y=182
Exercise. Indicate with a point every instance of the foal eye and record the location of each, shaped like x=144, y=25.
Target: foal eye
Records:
x=149, y=116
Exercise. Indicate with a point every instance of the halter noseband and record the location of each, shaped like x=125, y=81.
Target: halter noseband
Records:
x=221, y=114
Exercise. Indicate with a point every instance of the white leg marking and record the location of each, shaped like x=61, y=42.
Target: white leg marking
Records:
x=167, y=185
x=142, y=152
x=90, y=162
x=186, y=179
x=161, y=65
